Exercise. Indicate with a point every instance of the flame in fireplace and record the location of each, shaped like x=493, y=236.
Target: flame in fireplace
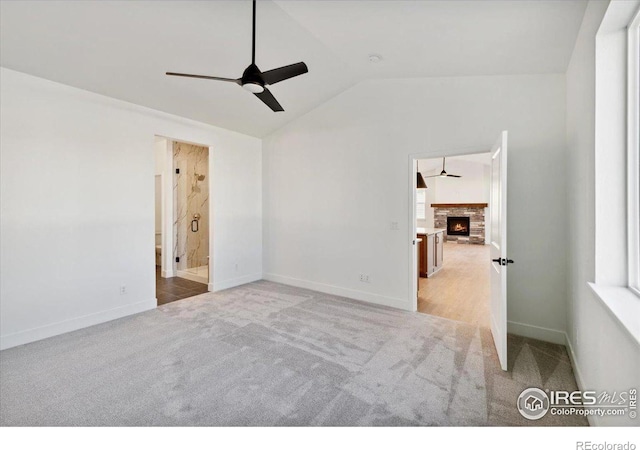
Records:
x=459, y=227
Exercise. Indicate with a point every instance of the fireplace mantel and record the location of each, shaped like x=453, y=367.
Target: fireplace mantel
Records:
x=459, y=205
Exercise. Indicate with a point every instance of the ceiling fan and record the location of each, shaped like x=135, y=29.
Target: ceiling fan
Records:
x=254, y=80
x=444, y=173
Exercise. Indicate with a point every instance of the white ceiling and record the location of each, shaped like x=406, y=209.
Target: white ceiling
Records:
x=122, y=48
x=445, y=38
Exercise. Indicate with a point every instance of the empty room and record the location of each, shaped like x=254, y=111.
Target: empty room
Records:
x=328, y=214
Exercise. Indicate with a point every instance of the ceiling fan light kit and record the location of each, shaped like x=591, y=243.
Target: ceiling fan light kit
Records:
x=254, y=88
x=253, y=79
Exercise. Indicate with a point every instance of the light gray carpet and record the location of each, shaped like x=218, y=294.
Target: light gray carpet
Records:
x=269, y=354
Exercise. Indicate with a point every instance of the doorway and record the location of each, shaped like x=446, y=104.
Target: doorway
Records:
x=183, y=212
x=455, y=207
x=452, y=227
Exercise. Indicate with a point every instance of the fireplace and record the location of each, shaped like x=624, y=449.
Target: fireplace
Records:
x=458, y=226
x=472, y=213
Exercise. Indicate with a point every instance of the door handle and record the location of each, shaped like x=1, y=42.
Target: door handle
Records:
x=503, y=261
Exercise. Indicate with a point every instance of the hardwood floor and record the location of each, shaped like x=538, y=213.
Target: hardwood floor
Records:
x=461, y=289
x=171, y=289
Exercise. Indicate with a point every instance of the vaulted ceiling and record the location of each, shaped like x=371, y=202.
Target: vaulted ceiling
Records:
x=123, y=48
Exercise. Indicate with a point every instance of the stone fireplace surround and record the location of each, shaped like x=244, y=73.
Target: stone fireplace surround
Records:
x=476, y=214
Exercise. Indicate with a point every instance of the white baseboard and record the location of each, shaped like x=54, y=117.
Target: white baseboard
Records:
x=167, y=274
x=54, y=329
x=399, y=303
x=534, y=332
x=191, y=277
x=593, y=421
x=233, y=282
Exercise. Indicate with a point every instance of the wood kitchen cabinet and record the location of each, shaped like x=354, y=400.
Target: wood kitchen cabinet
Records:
x=422, y=253
x=430, y=251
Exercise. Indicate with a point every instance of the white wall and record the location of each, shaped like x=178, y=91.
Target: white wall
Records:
x=160, y=152
x=606, y=357
x=327, y=221
x=77, y=206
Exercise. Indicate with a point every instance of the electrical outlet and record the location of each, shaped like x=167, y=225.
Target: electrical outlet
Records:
x=394, y=226
x=364, y=277
x=123, y=290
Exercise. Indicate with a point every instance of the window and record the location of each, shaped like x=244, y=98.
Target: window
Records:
x=421, y=206
x=633, y=152
x=617, y=164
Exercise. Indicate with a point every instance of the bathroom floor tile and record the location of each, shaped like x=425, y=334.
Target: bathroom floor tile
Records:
x=172, y=289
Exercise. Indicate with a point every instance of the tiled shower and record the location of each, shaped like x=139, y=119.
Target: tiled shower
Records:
x=191, y=211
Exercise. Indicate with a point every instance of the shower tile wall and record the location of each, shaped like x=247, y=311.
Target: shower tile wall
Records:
x=191, y=196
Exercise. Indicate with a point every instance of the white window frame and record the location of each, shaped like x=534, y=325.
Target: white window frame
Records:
x=421, y=193
x=633, y=153
x=617, y=172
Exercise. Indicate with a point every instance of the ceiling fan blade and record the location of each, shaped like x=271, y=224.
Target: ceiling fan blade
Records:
x=268, y=99
x=284, y=73
x=442, y=176
x=206, y=77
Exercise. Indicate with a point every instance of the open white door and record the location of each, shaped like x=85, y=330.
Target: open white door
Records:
x=499, y=260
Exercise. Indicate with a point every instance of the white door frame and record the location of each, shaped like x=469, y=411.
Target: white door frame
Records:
x=411, y=229
x=167, y=207
x=161, y=177
x=167, y=212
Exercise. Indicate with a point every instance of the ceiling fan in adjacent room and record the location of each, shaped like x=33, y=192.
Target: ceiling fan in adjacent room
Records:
x=254, y=80
x=444, y=173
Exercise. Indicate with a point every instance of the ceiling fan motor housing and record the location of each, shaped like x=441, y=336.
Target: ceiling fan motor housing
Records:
x=252, y=75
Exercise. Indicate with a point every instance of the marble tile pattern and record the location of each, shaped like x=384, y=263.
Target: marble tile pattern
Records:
x=476, y=223
x=265, y=354
x=191, y=196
